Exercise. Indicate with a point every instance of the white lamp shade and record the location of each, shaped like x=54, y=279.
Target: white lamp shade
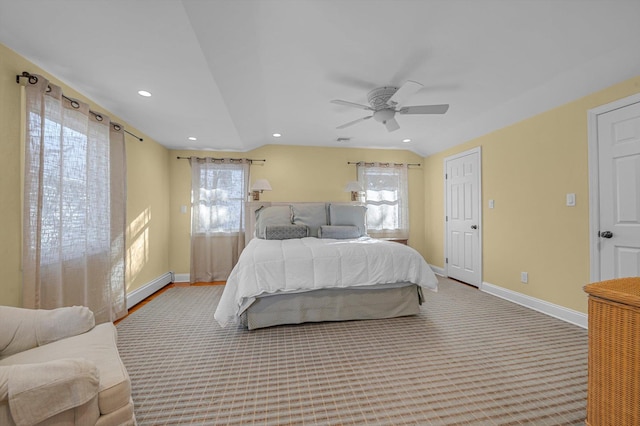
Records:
x=353, y=186
x=261, y=185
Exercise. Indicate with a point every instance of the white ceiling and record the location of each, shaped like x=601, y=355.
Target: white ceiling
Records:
x=232, y=72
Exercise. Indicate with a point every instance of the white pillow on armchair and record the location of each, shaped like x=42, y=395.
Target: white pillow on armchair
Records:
x=24, y=329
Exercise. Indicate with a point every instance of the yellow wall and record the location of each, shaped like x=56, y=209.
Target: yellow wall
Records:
x=528, y=168
x=296, y=173
x=148, y=215
x=10, y=172
x=147, y=190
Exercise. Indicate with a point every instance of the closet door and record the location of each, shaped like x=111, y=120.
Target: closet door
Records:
x=463, y=234
x=617, y=239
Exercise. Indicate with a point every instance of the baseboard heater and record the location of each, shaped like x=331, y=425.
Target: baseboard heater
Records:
x=146, y=290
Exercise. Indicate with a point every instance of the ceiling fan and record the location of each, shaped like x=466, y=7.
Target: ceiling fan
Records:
x=385, y=102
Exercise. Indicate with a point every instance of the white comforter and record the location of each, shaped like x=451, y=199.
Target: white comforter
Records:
x=297, y=265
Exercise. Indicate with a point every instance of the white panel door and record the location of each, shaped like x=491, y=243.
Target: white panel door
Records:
x=619, y=192
x=463, y=248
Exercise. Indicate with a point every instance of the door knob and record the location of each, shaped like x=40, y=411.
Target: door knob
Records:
x=474, y=226
x=605, y=234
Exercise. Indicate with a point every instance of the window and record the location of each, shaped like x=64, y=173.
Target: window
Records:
x=219, y=189
x=218, y=198
x=70, y=196
x=69, y=199
x=386, y=193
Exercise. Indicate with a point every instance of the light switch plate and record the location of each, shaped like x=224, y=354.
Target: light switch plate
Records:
x=571, y=200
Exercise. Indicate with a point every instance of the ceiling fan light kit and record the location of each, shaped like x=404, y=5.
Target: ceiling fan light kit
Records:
x=382, y=115
x=386, y=101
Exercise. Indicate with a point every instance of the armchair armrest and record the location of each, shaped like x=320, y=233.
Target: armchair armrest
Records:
x=23, y=329
x=36, y=392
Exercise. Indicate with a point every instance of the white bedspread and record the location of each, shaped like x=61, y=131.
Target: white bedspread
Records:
x=297, y=265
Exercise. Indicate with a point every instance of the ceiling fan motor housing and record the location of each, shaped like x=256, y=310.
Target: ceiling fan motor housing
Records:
x=379, y=97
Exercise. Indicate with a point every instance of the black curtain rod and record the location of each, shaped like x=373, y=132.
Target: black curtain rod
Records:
x=213, y=158
x=383, y=164
x=32, y=79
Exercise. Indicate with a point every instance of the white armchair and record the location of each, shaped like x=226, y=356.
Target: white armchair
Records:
x=57, y=367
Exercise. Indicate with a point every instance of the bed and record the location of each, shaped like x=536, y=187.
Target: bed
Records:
x=313, y=262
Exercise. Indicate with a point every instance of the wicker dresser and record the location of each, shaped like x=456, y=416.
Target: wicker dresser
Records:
x=613, y=396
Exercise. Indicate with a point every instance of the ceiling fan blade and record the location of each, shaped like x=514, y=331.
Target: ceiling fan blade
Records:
x=391, y=124
x=351, y=123
x=351, y=104
x=351, y=81
x=404, y=93
x=424, y=109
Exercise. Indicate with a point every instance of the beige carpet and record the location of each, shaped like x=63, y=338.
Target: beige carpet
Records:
x=468, y=358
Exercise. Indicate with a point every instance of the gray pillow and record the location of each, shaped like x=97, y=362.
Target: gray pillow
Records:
x=348, y=215
x=273, y=215
x=313, y=215
x=339, y=232
x=286, y=232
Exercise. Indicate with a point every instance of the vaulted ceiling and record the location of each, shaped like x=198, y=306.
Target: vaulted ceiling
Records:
x=233, y=72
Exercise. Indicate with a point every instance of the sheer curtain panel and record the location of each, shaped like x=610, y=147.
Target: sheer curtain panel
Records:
x=387, y=198
x=219, y=190
x=74, y=206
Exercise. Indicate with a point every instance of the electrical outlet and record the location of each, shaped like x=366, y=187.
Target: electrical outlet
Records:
x=524, y=277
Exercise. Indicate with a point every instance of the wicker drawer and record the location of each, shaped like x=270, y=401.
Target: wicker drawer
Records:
x=613, y=396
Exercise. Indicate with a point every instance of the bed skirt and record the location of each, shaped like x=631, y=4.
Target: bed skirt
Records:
x=333, y=305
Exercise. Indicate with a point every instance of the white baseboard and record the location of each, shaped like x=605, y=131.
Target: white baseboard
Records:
x=146, y=290
x=181, y=278
x=437, y=270
x=556, y=311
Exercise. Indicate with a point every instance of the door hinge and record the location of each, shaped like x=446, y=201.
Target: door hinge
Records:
x=446, y=176
x=446, y=218
x=446, y=260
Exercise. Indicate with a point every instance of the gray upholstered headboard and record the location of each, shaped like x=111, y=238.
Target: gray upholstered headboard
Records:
x=252, y=206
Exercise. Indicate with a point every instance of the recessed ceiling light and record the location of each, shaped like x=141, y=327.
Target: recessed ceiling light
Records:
x=144, y=93
x=192, y=138
x=406, y=140
x=276, y=135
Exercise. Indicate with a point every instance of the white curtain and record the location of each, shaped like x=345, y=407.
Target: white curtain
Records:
x=74, y=206
x=219, y=190
x=387, y=199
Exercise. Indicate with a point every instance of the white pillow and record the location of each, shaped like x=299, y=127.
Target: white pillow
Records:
x=22, y=329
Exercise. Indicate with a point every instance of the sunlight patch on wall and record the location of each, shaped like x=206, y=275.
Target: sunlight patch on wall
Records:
x=138, y=251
